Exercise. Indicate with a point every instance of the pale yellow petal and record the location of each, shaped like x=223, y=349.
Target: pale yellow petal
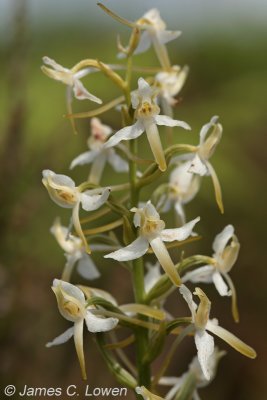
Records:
x=231, y=339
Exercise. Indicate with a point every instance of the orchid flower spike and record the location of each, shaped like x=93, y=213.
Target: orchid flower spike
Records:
x=155, y=34
x=63, y=192
x=75, y=252
x=195, y=370
x=200, y=164
x=98, y=155
x=226, y=248
x=152, y=232
x=147, y=116
x=183, y=187
x=146, y=394
x=72, y=306
x=203, y=340
x=69, y=78
x=170, y=83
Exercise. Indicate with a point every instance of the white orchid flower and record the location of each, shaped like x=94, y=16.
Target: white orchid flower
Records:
x=170, y=83
x=152, y=232
x=72, y=306
x=75, y=252
x=200, y=164
x=73, y=82
x=146, y=114
x=146, y=394
x=225, y=256
x=155, y=34
x=203, y=340
x=69, y=78
x=63, y=192
x=98, y=155
x=183, y=187
x=195, y=370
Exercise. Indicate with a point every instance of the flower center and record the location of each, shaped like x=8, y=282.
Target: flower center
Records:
x=72, y=308
x=152, y=227
x=147, y=110
x=69, y=197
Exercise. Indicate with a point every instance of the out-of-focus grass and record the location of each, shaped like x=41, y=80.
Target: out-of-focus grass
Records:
x=225, y=80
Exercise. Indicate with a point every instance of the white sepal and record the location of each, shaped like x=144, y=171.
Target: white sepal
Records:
x=95, y=323
x=169, y=235
x=134, y=250
x=63, y=338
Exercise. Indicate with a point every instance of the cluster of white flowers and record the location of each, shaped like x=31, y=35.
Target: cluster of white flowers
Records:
x=143, y=231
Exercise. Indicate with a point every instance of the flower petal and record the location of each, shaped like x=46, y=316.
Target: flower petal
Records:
x=145, y=91
x=71, y=260
x=235, y=312
x=99, y=324
x=155, y=143
x=168, y=121
x=69, y=243
x=217, y=186
x=118, y=163
x=82, y=94
x=91, y=202
x=70, y=290
x=87, y=269
x=52, y=63
x=97, y=168
x=198, y=166
x=144, y=43
x=150, y=211
x=105, y=295
x=166, y=36
x=205, y=348
x=169, y=235
x=206, y=128
x=63, y=338
x=202, y=274
x=58, y=180
x=127, y=133
x=165, y=260
x=231, y=339
x=220, y=285
x=135, y=250
x=85, y=158
x=222, y=239
x=78, y=340
x=188, y=297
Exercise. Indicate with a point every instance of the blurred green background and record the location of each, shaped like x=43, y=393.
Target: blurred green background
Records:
x=225, y=47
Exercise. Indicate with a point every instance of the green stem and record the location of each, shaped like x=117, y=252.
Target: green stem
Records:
x=141, y=334
x=132, y=176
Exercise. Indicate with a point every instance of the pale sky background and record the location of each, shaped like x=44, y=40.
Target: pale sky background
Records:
x=194, y=16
